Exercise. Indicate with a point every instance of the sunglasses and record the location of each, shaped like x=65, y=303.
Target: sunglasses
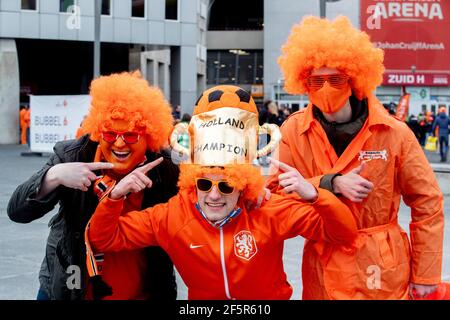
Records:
x=205, y=185
x=129, y=137
x=337, y=81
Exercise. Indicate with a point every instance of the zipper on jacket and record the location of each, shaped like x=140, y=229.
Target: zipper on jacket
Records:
x=224, y=270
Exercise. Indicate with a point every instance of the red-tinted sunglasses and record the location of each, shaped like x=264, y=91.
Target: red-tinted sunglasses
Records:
x=337, y=81
x=129, y=137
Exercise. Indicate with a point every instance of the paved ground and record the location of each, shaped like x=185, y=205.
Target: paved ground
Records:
x=22, y=245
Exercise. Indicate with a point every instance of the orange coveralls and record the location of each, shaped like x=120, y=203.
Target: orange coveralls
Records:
x=242, y=259
x=24, y=117
x=384, y=263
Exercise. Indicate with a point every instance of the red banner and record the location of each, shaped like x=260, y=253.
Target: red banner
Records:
x=415, y=36
x=403, y=106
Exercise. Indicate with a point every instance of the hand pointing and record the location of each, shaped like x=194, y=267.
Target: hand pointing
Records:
x=135, y=181
x=293, y=181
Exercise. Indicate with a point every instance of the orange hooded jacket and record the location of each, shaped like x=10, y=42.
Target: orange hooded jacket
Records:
x=384, y=263
x=242, y=259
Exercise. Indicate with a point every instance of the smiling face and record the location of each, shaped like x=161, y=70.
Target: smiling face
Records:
x=215, y=205
x=125, y=156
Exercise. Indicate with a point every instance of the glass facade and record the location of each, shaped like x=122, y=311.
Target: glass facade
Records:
x=235, y=67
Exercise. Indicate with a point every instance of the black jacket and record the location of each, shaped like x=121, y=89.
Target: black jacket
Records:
x=65, y=244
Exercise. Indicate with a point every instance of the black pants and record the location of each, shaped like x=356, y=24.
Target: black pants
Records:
x=443, y=147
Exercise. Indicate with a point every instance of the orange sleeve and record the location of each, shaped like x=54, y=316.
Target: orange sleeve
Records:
x=422, y=194
x=284, y=154
x=109, y=231
x=326, y=219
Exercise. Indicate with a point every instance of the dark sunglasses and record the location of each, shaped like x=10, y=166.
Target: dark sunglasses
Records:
x=129, y=137
x=337, y=81
x=205, y=185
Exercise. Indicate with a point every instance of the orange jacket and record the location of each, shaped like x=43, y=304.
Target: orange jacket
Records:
x=241, y=260
x=384, y=263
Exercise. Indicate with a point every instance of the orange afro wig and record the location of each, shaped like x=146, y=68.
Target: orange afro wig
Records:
x=316, y=43
x=127, y=96
x=244, y=177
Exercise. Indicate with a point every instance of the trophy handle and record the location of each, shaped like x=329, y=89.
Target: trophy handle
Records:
x=275, y=137
x=180, y=128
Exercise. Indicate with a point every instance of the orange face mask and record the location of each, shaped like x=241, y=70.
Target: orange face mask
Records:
x=330, y=99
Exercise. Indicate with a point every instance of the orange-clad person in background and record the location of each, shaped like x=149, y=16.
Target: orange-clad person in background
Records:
x=222, y=249
x=345, y=141
x=24, y=118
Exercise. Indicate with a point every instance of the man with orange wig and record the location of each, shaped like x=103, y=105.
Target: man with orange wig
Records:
x=127, y=125
x=346, y=142
x=221, y=249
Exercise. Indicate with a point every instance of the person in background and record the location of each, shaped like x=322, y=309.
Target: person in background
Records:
x=442, y=122
x=24, y=118
x=176, y=114
x=422, y=128
x=263, y=112
x=274, y=114
x=413, y=124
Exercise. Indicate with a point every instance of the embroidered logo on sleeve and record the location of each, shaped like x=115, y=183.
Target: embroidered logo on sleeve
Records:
x=245, y=245
x=372, y=155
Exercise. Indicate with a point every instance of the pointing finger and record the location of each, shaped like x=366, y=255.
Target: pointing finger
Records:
x=149, y=166
x=281, y=165
x=99, y=165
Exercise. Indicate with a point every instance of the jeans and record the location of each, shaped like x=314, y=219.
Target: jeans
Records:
x=42, y=295
x=443, y=147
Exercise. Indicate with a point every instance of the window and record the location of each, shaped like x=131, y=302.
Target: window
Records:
x=138, y=8
x=64, y=5
x=172, y=9
x=236, y=15
x=234, y=67
x=106, y=7
x=29, y=5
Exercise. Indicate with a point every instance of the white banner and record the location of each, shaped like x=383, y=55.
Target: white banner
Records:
x=55, y=118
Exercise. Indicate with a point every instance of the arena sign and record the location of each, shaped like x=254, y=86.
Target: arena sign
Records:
x=415, y=36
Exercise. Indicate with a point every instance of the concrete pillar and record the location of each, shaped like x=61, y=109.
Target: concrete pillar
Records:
x=155, y=68
x=9, y=92
x=188, y=78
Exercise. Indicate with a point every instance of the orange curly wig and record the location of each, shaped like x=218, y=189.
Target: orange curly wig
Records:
x=244, y=177
x=127, y=96
x=316, y=43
